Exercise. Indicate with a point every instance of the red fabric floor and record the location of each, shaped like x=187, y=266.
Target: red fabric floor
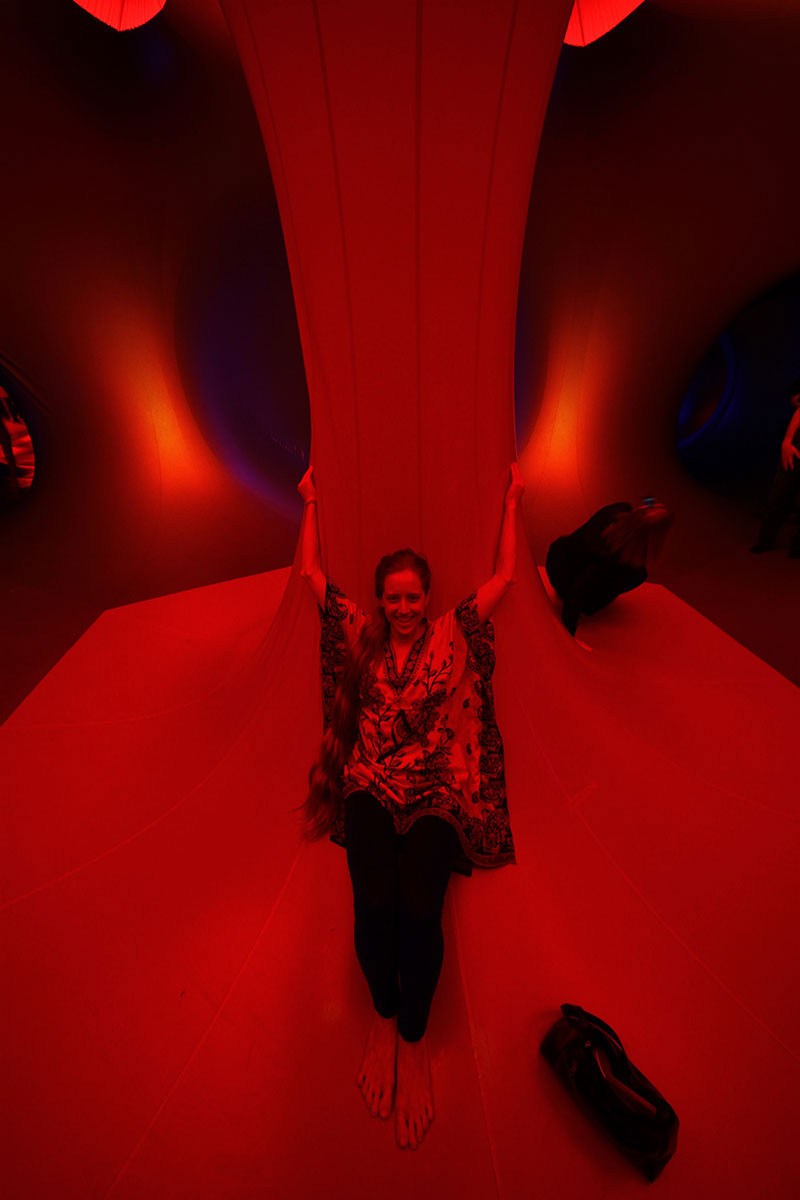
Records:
x=186, y=1016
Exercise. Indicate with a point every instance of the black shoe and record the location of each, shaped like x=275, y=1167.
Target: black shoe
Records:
x=760, y=548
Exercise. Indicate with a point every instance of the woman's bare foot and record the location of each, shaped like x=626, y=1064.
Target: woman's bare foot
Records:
x=376, y=1076
x=414, y=1104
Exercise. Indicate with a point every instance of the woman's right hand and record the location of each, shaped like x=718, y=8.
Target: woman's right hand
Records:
x=306, y=486
x=515, y=487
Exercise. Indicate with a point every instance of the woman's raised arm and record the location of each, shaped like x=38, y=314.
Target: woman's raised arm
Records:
x=505, y=569
x=310, y=565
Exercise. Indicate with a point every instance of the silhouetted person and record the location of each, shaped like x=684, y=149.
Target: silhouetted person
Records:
x=785, y=486
x=605, y=556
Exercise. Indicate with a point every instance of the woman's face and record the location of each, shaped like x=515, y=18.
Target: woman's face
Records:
x=404, y=602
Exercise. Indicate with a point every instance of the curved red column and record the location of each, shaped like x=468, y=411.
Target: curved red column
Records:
x=402, y=141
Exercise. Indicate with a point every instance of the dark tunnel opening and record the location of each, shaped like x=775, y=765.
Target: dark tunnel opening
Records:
x=738, y=403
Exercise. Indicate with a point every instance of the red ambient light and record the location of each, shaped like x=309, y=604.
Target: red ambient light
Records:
x=123, y=14
x=590, y=19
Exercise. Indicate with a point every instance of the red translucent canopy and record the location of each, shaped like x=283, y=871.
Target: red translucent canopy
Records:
x=590, y=19
x=123, y=14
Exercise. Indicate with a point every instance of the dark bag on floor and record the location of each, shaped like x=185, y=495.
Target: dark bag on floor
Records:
x=590, y=1059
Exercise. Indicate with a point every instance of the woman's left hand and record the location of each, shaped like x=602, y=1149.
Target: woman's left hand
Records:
x=516, y=487
x=789, y=453
x=306, y=486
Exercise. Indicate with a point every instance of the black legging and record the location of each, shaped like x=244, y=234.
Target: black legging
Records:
x=782, y=495
x=399, y=884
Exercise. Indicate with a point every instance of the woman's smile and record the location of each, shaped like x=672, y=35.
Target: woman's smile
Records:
x=406, y=623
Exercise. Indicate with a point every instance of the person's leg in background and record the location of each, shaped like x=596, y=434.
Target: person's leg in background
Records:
x=785, y=486
x=794, y=545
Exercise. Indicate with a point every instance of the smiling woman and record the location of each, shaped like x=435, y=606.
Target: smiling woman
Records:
x=410, y=779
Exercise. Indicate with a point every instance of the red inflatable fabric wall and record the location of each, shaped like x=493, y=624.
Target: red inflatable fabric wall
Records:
x=402, y=143
x=187, y=1014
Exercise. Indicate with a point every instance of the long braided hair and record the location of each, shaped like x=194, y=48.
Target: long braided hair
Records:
x=324, y=780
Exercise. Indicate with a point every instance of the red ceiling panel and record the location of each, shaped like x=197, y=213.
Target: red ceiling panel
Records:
x=123, y=14
x=592, y=18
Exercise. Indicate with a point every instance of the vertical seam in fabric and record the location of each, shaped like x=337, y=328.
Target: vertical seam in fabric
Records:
x=418, y=261
x=206, y=1033
x=346, y=267
x=150, y=409
x=473, y=1046
x=485, y=235
x=580, y=20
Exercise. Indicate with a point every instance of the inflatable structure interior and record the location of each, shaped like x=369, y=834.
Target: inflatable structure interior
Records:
x=409, y=242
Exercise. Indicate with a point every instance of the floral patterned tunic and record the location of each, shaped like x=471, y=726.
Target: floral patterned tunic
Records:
x=428, y=742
